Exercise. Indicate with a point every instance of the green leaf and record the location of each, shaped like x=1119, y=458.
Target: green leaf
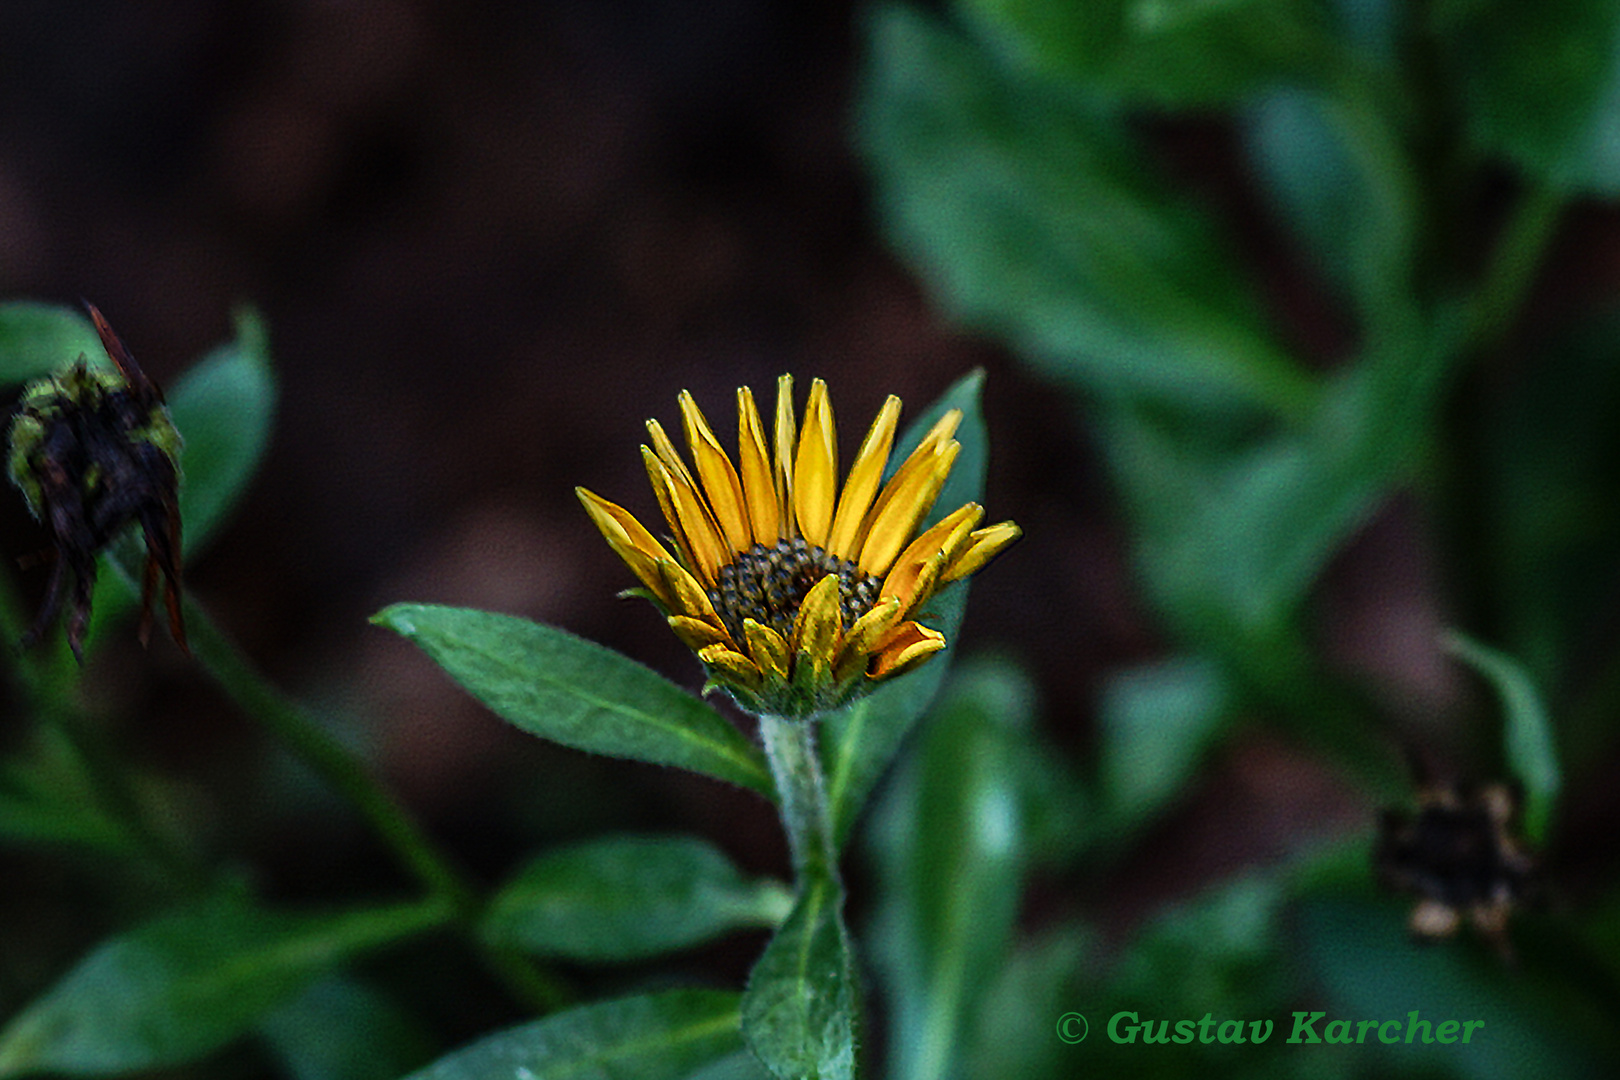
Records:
x=949, y=853
x=342, y=1029
x=47, y=796
x=1034, y=217
x=1528, y=742
x=223, y=407
x=1156, y=722
x=1340, y=180
x=799, y=1013
x=189, y=982
x=628, y=897
x=40, y=339
x=1368, y=968
x=672, y=1035
x=563, y=688
x=858, y=741
x=1162, y=52
x=1010, y=1033
x=1541, y=83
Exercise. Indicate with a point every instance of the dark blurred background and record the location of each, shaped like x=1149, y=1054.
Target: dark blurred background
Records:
x=489, y=241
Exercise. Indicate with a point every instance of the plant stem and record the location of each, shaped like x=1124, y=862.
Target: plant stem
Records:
x=330, y=760
x=790, y=747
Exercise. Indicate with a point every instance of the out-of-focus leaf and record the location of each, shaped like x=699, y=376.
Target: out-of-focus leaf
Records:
x=223, y=407
x=859, y=740
x=627, y=897
x=798, y=1013
x=185, y=984
x=1340, y=180
x=1528, y=742
x=1541, y=82
x=48, y=797
x=1011, y=1032
x=950, y=854
x=1229, y=541
x=1156, y=723
x=1033, y=218
x=39, y=339
x=667, y=1036
x=1162, y=52
x=1368, y=968
x=560, y=687
x=342, y=1029
x=742, y=1065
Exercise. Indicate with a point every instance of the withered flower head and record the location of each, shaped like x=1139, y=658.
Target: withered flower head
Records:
x=93, y=451
x=798, y=597
x=1458, y=855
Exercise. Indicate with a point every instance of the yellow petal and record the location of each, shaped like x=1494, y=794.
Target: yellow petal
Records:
x=862, y=484
x=787, y=439
x=688, y=596
x=667, y=452
x=985, y=545
x=733, y=664
x=720, y=483
x=754, y=463
x=768, y=649
x=904, y=503
x=919, y=567
x=629, y=541
x=906, y=648
x=815, y=468
x=864, y=636
x=701, y=537
x=818, y=627
x=698, y=634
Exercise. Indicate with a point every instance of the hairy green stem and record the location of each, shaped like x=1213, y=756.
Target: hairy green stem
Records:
x=330, y=760
x=790, y=747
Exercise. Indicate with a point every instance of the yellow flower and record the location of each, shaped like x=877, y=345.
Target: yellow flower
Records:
x=798, y=598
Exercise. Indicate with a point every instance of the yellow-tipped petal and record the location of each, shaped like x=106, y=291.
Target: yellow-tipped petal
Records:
x=915, y=572
x=862, y=485
x=818, y=627
x=702, y=538
x=698, y=634
x=629, y=541
x=657, y=478
x=734, y=664
x=720, y=482
x=754, y=465
x=909, y=646
x=787, y=440
x=768, y=650
x=904, y=503
x=687, y=595
x=985, y=545
x=815, y=468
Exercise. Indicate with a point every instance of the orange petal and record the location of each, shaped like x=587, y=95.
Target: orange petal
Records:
x=754, y=463
x=909, y=646
x=917, y=570
x=720, y=482
x=862, y=484
x=689, y=597
x=815, y=468
x=864, y=634
x=985, y=545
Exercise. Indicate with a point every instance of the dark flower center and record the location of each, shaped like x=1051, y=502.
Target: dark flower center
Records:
x=767, y=584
